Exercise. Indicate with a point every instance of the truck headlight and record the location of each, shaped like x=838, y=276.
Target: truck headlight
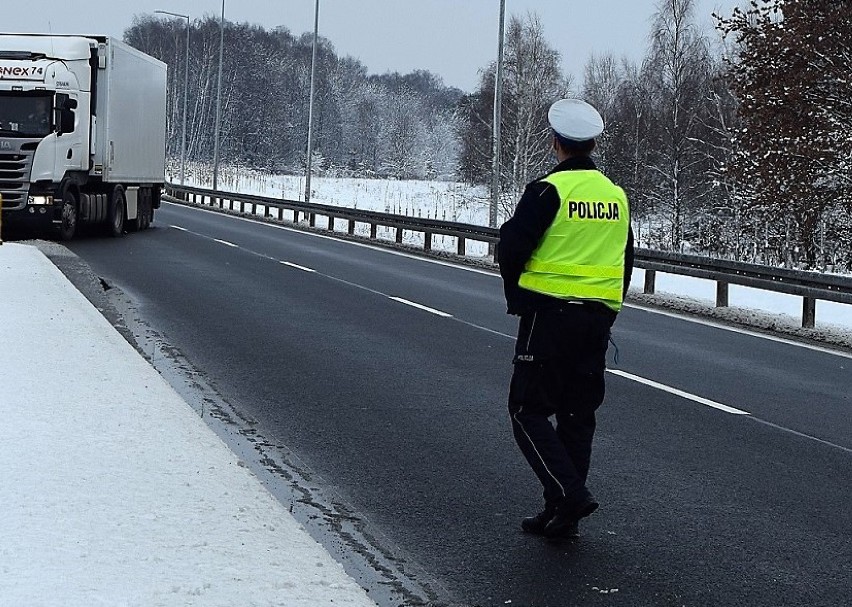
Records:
x=41, y=200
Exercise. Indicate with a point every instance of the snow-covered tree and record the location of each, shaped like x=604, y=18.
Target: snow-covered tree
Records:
x=790, y=73
x=358, y=118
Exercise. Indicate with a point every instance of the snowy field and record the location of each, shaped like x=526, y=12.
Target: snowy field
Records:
x=450, y=201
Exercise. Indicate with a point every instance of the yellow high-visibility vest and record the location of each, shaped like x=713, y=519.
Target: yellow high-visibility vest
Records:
x=581, y=255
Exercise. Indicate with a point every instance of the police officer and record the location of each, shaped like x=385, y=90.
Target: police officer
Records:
x=566, y=258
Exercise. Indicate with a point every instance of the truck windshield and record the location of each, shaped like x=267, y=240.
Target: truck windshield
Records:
x=26, y=114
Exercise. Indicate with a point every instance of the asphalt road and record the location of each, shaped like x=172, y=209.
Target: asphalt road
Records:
x=734, y=492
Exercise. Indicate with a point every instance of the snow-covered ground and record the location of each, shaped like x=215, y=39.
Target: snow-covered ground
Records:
x=114, y=491
x=444, y=200
x=464, y=203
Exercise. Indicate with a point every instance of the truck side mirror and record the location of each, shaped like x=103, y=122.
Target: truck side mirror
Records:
x=65, y=107
x=66, y=121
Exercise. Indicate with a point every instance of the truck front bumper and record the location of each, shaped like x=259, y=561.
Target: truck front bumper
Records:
x=32, y=217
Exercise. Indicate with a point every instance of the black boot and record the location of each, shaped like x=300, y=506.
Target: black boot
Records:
x=536, y=524
x=569, y=532
x=564, y=522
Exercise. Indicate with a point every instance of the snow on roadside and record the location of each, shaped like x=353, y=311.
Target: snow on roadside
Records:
x=114, y=491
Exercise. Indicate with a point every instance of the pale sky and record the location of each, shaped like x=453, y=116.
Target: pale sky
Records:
x=452, y=38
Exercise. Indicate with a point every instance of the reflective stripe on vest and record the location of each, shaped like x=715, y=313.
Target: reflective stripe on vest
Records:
x=581, y=255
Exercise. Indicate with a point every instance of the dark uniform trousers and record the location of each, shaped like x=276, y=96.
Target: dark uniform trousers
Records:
x=559, y=366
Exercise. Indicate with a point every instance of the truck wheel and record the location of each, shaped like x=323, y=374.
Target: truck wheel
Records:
x=68, y=227
x=117, y=212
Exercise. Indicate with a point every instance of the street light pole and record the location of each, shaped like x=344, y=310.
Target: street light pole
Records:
x=219, y=100
x=498, y=101
x=185, y=95
x=311, y=105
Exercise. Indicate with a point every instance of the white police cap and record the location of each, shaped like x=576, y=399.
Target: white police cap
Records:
x=575, y=120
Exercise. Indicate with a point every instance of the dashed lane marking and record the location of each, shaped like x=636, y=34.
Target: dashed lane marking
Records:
x=624, y=374
x=297, y=266
x=698, y=399
x=492, y=273
x=337, y=239
x=421, y=307
x=629, y=376
x=226, y=243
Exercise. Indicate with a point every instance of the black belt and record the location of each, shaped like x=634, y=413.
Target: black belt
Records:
x=569, y=307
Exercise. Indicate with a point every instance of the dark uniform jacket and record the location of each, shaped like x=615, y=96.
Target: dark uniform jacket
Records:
x=521, y=234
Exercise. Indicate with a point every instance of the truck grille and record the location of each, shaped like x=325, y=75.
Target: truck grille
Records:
x=15, y=168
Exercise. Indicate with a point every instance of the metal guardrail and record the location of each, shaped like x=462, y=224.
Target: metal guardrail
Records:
x=811, y=286
x=428, y=227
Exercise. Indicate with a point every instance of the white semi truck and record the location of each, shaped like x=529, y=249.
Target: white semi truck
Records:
x=82, y=133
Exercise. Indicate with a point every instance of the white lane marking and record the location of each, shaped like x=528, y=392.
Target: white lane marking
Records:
x=421, y=307
x=648, y=382
x=179, y=228
x=486, y=329
x=225, y=242
x=681, y=393
x=803, y=435
x=297, y=266
x=741, y=330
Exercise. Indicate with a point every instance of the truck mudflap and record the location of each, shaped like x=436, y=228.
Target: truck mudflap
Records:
x=156, y=193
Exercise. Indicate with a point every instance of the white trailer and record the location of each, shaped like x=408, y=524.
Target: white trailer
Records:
x=82, y=133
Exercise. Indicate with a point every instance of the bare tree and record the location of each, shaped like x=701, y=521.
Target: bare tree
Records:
x=402, y=132
x=601, y=85
x=533, y=81
x=678, y=78
x=725, y=224
x=625, y=148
